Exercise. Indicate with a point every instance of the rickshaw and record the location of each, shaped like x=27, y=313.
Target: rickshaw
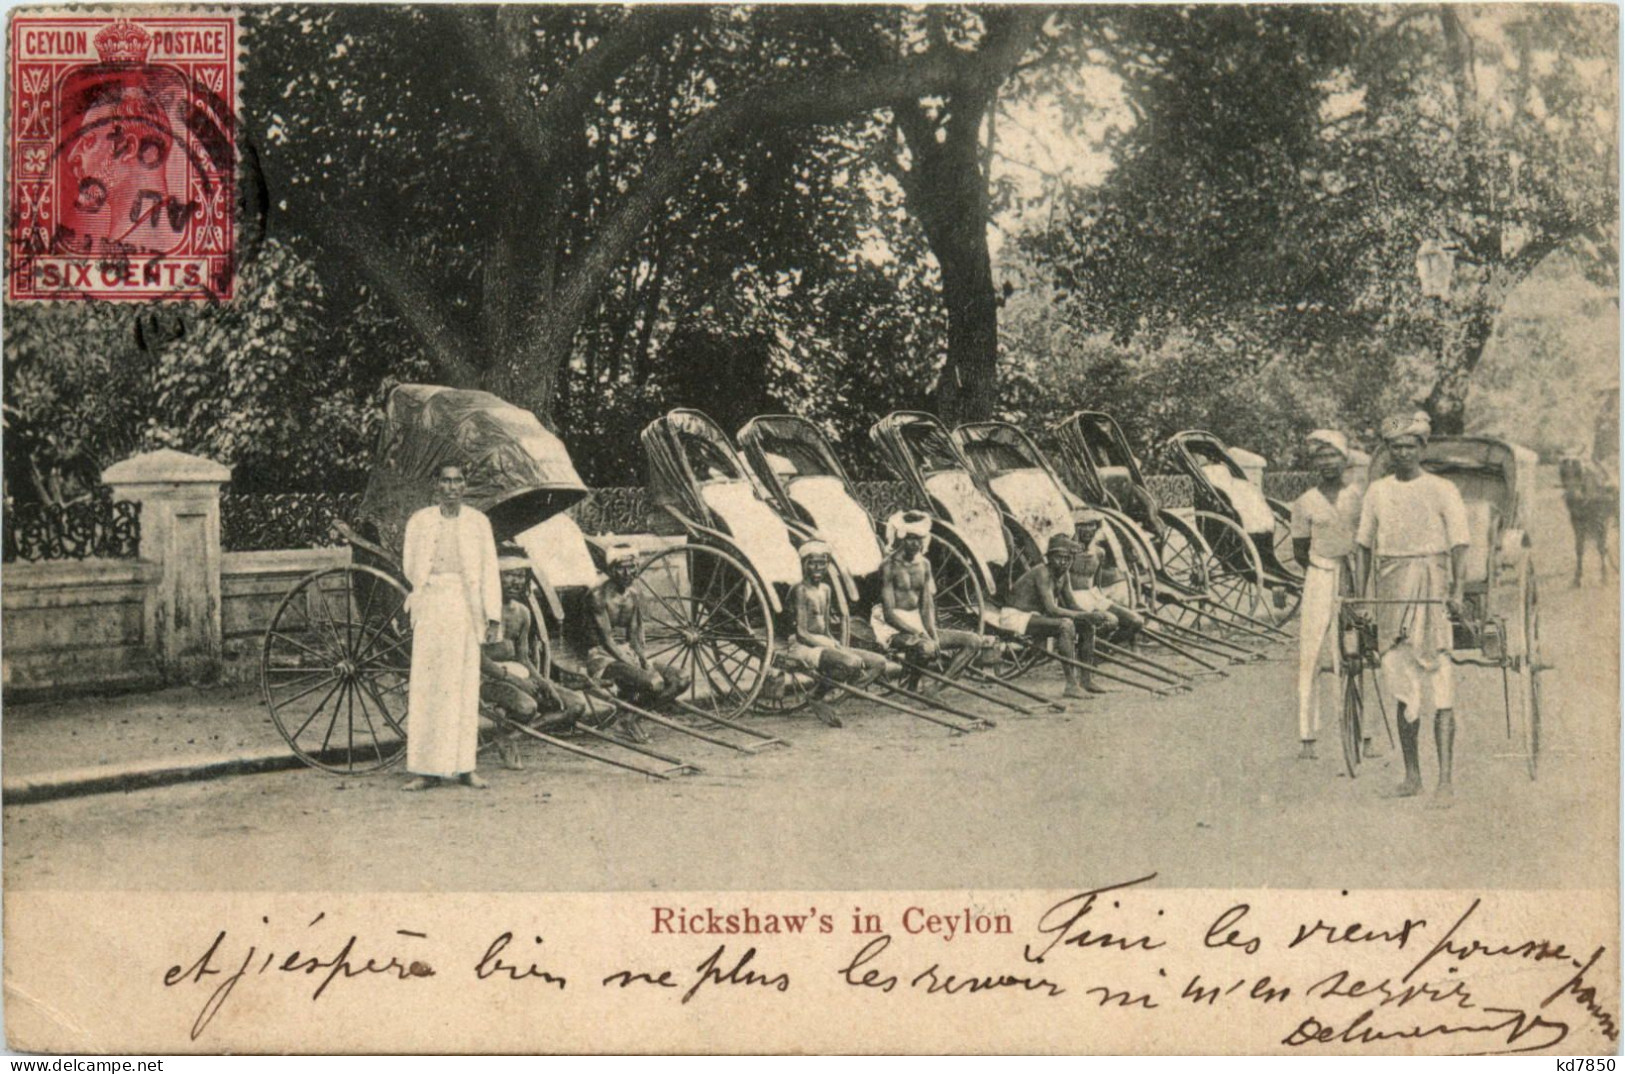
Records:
x=810, y=488
x=1246, y=531
x=920, y=450
x=1038, y=506
x=740, y=564
x=337, y=653
x=808, y=485
x=1500, y=624
x=1192, y=588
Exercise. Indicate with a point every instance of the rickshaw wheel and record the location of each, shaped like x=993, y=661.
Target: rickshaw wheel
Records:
x=1282, y=540
x=340, y=636
x=1015, y=659
x=1238, y=581
x=1189, y=564
x=1352, y=718
x=720, y=634
x=1530, y=668
x=960, y=600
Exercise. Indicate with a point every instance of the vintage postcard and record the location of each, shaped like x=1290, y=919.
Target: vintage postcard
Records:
x=784, y=529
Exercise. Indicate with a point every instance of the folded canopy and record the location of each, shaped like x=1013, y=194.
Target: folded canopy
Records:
x=519, y=473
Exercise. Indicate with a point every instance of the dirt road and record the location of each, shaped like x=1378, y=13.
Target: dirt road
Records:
x=1203, y=789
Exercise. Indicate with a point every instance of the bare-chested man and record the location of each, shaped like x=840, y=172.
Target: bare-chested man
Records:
x=511, y=677
x=1089, y=575
x=905, y=619
x=1040, y=607
x=618, y=648
x=814, y=644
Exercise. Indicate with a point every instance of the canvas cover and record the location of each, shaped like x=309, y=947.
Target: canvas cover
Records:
x=840, y=520
x=519, y=474
x=971, y=512
x=560, y=549
x=1252, y=509
x=758, y=531
x=1018, y=473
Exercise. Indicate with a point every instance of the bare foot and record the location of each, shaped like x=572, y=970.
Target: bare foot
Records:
x=1443, y=798
x=1409, y=789
x=1307, y=753
x=421, y=783
x=1093, y=689
x=471, y=779
x=825, y=714
x=1075, y=692
x=1369, y=748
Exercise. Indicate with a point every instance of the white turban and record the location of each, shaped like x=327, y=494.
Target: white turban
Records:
x=907, y=524
x=1330, y=438
x=814, y=548
x=1416, y=425
x=620, y=552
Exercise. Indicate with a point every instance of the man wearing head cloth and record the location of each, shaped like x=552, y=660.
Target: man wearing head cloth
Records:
x=1413, y=540
x=905, y=616
x=1324, y=519
x=813, y=645
x=1040, y=608
x=618, y=650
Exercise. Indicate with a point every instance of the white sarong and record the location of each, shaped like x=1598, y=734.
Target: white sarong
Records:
x=1091, y=600
x=1414, y=637
x=443, y=694
x=885, y=632
x=1013, y=620
x=1315, y=626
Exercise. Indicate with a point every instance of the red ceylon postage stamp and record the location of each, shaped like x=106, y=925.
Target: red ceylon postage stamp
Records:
x=122, y=141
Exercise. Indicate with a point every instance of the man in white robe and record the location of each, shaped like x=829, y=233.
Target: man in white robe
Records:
x=1413, y=533
x=1324, y=519
x=450, y=561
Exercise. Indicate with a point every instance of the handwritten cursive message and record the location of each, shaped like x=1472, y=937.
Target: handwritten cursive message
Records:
x=1300, y=974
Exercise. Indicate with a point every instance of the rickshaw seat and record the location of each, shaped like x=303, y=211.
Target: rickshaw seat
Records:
x=1039, y=508
x=759, y=533
x=970, y=512
x=559, y=547
x=1482, y=523
x=840, y=520
x=1246, y=499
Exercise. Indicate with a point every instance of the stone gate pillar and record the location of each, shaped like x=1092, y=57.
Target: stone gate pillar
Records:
x=180, y=532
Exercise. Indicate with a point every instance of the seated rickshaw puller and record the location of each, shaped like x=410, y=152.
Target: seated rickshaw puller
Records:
x=1039, y=609
x=1087, y=574
x=1414, y=535
x=814, y=644
x=905, y=619
x=617, y=652
x=1324, y=519
x=511, y=676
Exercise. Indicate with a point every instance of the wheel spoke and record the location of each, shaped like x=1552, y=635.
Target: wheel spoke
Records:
x=317, y=711
x=361, y=699
x=333, y=723
x=326, y=678
x=296, y=643
x=388, y=717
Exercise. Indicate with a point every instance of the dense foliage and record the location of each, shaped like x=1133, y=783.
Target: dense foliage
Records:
x=1191, y=217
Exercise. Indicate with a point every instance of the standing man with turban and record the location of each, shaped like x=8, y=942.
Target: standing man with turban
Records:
x=1413, y=534
x=450, y=561
x=1324, y=519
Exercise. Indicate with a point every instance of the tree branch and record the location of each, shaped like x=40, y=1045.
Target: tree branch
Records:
x=405, y=288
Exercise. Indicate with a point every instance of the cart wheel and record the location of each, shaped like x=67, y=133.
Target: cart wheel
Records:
x=1236, y=581
x=1531, y=666
x=1187, y=563
x=334, y=667
x=1283, y=540
x=1353, y=718
x=960, y=599
x=1014, y=659
x=706, y=614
